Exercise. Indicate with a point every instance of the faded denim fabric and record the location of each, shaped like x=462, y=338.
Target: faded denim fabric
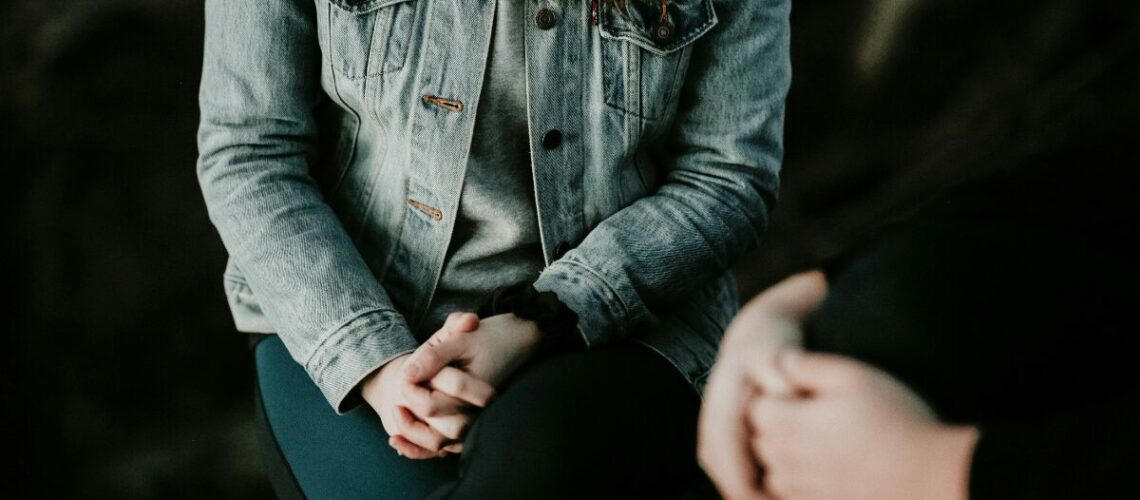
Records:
x=334, y=136
x=495, y=241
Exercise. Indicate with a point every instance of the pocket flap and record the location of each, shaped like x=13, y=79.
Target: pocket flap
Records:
x=363, y=6
x=659, y=26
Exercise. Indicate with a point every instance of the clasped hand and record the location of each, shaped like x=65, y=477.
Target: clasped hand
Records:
x=426, y=400
x=778, y=422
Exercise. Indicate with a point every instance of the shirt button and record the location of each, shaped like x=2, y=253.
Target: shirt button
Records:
x=545, y=19
x=561, y=249
x=551, y=139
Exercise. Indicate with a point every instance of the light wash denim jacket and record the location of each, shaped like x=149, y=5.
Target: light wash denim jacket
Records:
x=334, y=137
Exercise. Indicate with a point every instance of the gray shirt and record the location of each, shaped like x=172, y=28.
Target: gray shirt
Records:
x=495, y=241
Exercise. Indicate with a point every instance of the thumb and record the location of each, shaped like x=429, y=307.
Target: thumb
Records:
x=462, y=322
x=818, y=372
x=445, y=346
x=797, y=296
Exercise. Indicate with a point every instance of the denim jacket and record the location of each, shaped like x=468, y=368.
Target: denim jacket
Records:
x=334, y=136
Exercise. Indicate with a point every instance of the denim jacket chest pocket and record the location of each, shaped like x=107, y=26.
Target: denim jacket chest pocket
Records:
x=365, y=38
x=645, y=49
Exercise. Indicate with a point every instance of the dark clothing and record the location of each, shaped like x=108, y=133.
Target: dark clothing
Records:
x=616, y=422
x=311, y=452
x=1005, y=310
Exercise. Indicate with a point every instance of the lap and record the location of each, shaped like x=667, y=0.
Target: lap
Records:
x=330, y=455
x=617, y=421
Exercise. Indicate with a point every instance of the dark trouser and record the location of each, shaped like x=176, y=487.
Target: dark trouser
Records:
x=617, y=422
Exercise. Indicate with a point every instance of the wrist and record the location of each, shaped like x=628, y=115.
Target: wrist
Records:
x=527, y=331
x=553, y=325
x=370, y=386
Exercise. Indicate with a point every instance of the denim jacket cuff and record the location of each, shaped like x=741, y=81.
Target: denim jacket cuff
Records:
x=602, y=313
x=355, y=350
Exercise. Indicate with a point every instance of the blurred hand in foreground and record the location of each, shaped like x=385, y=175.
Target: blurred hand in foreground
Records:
x=745, y=368
x=852, y=431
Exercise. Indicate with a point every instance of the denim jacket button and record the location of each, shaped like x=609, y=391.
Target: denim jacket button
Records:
x=545, y=19
x=552, y=139
x=663, y=32
x=561, y=249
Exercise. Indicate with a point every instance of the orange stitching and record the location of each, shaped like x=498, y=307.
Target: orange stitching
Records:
x=664, y=11
x=432, y=212
x=448, y=104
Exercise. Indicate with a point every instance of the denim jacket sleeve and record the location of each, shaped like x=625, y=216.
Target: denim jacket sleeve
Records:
x=722, y=175
x=257, y=140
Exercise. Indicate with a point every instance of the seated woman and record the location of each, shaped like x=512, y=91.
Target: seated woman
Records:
x=585, y=172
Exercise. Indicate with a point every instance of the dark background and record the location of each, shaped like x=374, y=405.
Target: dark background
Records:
x=125, y=378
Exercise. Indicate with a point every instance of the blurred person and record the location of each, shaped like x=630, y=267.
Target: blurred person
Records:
x=983, y=350
x=581, y=174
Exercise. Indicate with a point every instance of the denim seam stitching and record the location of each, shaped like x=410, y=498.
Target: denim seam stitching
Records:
x=371, y=42
x=631, y=36
x=609, y=287
x=324, y=339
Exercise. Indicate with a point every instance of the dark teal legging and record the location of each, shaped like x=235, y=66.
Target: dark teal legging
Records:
x=617, y=422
